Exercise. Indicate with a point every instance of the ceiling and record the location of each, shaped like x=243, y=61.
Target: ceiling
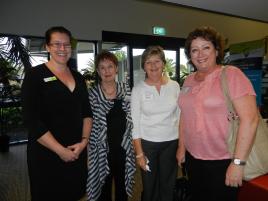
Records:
x=249, y=9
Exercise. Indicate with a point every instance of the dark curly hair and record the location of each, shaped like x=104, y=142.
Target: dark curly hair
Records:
x=209, y=34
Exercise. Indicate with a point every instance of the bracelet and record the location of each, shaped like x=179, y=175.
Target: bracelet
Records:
x=139, y=155
x=85, y=138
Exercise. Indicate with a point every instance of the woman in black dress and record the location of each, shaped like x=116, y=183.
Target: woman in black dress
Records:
x=57, y=114
x=111, y=154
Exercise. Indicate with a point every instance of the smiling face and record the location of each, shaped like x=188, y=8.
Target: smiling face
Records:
x=153, y=66
x=203, y=54
x=107, y=70
x=59, y=48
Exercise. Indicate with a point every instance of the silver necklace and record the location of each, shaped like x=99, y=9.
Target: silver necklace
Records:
x=109, y=93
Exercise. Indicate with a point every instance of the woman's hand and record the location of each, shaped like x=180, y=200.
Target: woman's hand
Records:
x=78, y=147
x=67, y=154
x=234, y=175
x=142, y=161
x=140, y=157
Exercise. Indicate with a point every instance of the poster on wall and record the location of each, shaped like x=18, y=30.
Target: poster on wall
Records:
x=246, y=50
x=254, y=63
x=248, y=56
x=255, y=76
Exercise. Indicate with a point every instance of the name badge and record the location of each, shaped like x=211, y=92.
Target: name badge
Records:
x=148, y=96
x=185, y=90
x=49, y=79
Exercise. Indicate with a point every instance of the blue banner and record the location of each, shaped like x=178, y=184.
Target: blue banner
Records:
x=255, y=76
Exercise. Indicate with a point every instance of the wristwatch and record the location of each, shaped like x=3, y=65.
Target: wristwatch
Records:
x=237, y=161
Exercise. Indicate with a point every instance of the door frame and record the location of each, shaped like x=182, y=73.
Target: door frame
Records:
x=140, y=41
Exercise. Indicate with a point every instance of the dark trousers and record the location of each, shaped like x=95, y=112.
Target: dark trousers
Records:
x=116, y=161
x=158, y=184
x=207, y=180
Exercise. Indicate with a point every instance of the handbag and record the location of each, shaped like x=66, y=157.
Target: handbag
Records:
x=257, y=162
x=182, y=188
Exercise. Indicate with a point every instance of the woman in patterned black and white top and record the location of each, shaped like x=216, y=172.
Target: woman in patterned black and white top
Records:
x=111, y=154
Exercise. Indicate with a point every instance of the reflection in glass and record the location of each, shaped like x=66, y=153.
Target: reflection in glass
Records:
x=85, y=56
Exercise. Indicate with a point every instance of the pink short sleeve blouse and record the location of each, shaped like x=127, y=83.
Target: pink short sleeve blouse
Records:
x=204, y=112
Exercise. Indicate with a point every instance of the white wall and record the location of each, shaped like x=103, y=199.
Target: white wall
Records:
x=87, y=18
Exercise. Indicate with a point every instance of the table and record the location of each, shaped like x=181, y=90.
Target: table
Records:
x=254, y=190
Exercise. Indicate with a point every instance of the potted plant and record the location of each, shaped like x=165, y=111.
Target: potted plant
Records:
x=14, y=59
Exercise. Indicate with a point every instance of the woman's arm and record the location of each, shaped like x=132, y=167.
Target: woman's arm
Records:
x=52, y=144
x=79, y=147
x=87, y=125
x=180, y=155
x=31, y=103
x=72, y=152
x=136, y=118
x=246, y=109
x=87, y=120
x=140, y=157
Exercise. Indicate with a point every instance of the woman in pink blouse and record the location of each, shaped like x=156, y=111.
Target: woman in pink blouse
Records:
x=212, y=171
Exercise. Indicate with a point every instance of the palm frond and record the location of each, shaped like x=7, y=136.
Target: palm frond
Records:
x=18, y=53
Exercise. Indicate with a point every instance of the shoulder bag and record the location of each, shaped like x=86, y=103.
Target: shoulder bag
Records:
x=257, y=162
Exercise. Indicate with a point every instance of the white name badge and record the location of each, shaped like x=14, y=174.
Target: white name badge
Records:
x=148, y=96
x=185, y=90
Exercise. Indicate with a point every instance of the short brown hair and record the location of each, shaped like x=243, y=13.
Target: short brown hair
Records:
x=103, y=55
x=209, y=34
x=152, y=50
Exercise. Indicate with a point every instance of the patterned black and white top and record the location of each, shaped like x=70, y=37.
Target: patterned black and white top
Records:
x=98, y=167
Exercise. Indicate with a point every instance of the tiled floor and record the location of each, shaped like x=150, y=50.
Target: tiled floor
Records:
x=14, y=183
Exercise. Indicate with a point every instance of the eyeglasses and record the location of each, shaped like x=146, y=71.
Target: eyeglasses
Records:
x=59, y=45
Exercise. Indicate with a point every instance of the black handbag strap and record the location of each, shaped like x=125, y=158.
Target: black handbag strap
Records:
x=183, y=170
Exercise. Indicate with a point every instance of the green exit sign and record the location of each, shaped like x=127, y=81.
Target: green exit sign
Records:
x=159, y=31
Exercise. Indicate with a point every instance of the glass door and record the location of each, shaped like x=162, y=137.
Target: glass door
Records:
x=185, y=67
x=135, y=44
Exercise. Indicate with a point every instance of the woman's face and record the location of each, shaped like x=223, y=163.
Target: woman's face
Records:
x=107, y=70
x=59, y=48
x=203, y=54
x=153, y=67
